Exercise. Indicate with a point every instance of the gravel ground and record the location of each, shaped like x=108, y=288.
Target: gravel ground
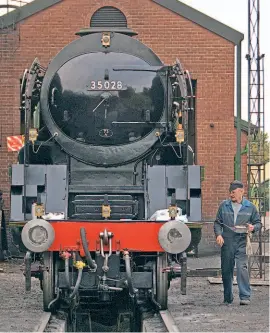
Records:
x=201, y=310
x=19, y=311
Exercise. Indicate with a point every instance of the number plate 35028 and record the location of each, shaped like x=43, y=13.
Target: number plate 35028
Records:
x=106, y=85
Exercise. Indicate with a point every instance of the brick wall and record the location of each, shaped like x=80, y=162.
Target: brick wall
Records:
x=208, y=242
x=208, y=57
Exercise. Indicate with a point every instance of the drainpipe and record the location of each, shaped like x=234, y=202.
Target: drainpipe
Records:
x=238, y=109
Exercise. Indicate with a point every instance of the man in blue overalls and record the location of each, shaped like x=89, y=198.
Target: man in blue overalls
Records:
x=231, y=214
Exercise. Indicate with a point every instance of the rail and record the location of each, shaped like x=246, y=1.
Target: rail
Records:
x=51, y=323
x=162, y=322
x=168, y=321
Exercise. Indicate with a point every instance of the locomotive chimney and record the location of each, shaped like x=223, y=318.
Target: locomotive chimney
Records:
x=107, y=19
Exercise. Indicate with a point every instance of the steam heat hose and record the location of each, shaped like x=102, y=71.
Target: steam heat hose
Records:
x=77, y=285
x=55, y=299
x=128, y=271
x=89, y=259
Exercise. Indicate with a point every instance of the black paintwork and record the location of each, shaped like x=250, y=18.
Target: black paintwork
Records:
x=129, y=50
x=90, y=99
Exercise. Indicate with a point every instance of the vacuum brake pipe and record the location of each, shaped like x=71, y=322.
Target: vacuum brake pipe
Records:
x=66, y=255
x=27, y=260
x=67, y=272
x=89, y=259
x=128, y=271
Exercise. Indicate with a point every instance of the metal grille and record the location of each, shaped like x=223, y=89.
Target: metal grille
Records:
x=90, y=206
x=256, y=139
x=108, y=17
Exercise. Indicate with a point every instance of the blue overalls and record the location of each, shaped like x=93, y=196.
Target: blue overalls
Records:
x=234, y=247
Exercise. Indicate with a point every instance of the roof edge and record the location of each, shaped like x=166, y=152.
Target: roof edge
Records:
x=203, y=20
x=25, y=11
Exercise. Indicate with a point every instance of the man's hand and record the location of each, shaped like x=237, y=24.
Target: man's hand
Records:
x=220, y=240
x=250, y=227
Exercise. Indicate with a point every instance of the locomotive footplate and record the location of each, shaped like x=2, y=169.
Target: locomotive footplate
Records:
x=140, y=236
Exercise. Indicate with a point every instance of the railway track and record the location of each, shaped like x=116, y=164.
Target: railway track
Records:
x=160, y=322
x=51, y=323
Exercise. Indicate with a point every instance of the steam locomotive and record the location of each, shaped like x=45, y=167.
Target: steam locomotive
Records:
x=106, y=146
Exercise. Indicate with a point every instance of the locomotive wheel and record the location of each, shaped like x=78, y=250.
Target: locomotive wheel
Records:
x=161, y=281
x=48, y=280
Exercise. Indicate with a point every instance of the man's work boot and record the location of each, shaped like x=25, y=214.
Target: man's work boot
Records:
x=244, y=302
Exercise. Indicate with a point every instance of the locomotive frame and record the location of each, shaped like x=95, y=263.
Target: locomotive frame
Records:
x=102, y=257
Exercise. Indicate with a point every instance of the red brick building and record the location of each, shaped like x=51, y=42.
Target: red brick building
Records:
x=172, y=30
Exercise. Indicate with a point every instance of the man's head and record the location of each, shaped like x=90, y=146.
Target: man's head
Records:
x=236, y=190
